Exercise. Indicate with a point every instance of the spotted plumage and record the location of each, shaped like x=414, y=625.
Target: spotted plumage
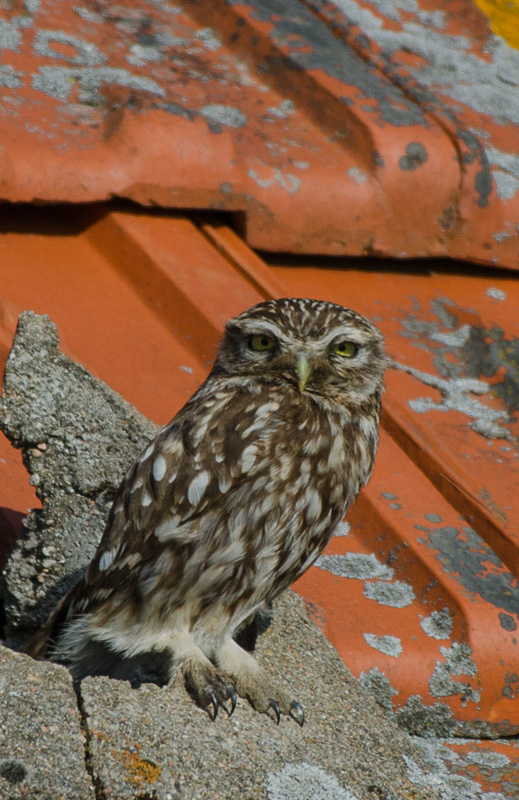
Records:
x=230, y=503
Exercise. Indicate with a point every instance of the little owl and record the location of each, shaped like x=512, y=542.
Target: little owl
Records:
x=229, y=504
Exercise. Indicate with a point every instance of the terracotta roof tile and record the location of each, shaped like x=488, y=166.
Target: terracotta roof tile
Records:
x=428, y=566
x=306, y=121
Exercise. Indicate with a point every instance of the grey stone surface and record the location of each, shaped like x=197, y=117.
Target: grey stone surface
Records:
x=42, y=747
x=78, y=438
x=154, y=743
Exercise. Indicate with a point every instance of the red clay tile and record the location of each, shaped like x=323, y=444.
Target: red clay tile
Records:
x=140, y=300
x=293, y=119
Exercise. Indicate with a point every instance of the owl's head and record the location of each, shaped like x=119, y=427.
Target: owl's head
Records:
x=318, y=348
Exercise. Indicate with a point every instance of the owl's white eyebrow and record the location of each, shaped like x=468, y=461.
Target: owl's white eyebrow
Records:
x=260, y=326
x=344, y=332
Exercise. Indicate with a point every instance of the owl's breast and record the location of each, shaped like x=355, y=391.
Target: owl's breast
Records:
x=300, y=473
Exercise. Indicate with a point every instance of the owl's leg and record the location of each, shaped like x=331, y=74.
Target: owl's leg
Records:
x=210, y=689
x=251, y=683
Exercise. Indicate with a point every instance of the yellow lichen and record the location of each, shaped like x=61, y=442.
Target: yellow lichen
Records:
x=140, y=770
x=504, y=18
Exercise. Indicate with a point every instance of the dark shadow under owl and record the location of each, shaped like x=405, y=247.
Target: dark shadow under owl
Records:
x=229, y=504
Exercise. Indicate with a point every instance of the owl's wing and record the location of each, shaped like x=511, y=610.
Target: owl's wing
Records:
x=155, y=488
x=175, y=493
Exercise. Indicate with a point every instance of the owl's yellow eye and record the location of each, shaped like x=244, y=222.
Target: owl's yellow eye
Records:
x=261, y=342
x=346, y=349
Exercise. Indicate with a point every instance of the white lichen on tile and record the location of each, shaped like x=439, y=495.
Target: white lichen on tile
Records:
x=355, y=565
x=389, y=645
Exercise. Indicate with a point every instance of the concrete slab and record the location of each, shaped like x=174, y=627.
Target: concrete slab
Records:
x=154, y=742
x=42, y=746
x=78, y=437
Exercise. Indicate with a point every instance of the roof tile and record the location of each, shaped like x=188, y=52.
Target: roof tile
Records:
x=307, y=122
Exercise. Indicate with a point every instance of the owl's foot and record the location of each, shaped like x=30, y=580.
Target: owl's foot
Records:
x=210, y=690
x=296, y=711
x=251, y=683
x=265, y=697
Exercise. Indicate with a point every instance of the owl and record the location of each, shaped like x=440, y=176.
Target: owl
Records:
x=229, y=504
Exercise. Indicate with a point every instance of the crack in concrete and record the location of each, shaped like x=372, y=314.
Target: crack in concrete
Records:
x=99, y=792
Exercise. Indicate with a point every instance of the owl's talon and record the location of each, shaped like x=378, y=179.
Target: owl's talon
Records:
x=213, y=701
x=275, y=707
x=232, y=698
x=297, y=713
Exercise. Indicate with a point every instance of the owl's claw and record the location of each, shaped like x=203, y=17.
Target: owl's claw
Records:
x=232, y=698
x=297, y=713
x=275, y=707
x=213, y=701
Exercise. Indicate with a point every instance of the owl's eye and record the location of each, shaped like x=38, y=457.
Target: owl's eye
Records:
x=261, y=341
x=345, y=349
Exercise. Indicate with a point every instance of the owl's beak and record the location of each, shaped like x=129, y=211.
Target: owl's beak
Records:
x=303, y=371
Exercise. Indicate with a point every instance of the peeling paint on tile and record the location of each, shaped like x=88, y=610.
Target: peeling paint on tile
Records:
x=506, y=171
x=496, y=294
x=415, y=156
x=455, y=397
x=355, y=565
x=224, y=115
x=438, y=625
x=10, y=36
x=396, y=595
x=357, y=175
x=507, y=622
x=488, y=760
x=467, y=557
x=189, y=57
x=285, y=109
x=441, y=683
x=58, y=82
x=511, y=687
x=469, y=351
x=140, y=55
x=287, y=181
x=342, y=529
x=472, y=75
x=88, y=15
x=453, y=339
x=446, y=61
x=507, y=185
x=501, y=236
x=86, y=53
x=209, y=38
x=389, y=645
x=9, y=78
x=459, y=659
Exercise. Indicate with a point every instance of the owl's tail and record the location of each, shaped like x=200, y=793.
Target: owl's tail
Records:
x=41, y=642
